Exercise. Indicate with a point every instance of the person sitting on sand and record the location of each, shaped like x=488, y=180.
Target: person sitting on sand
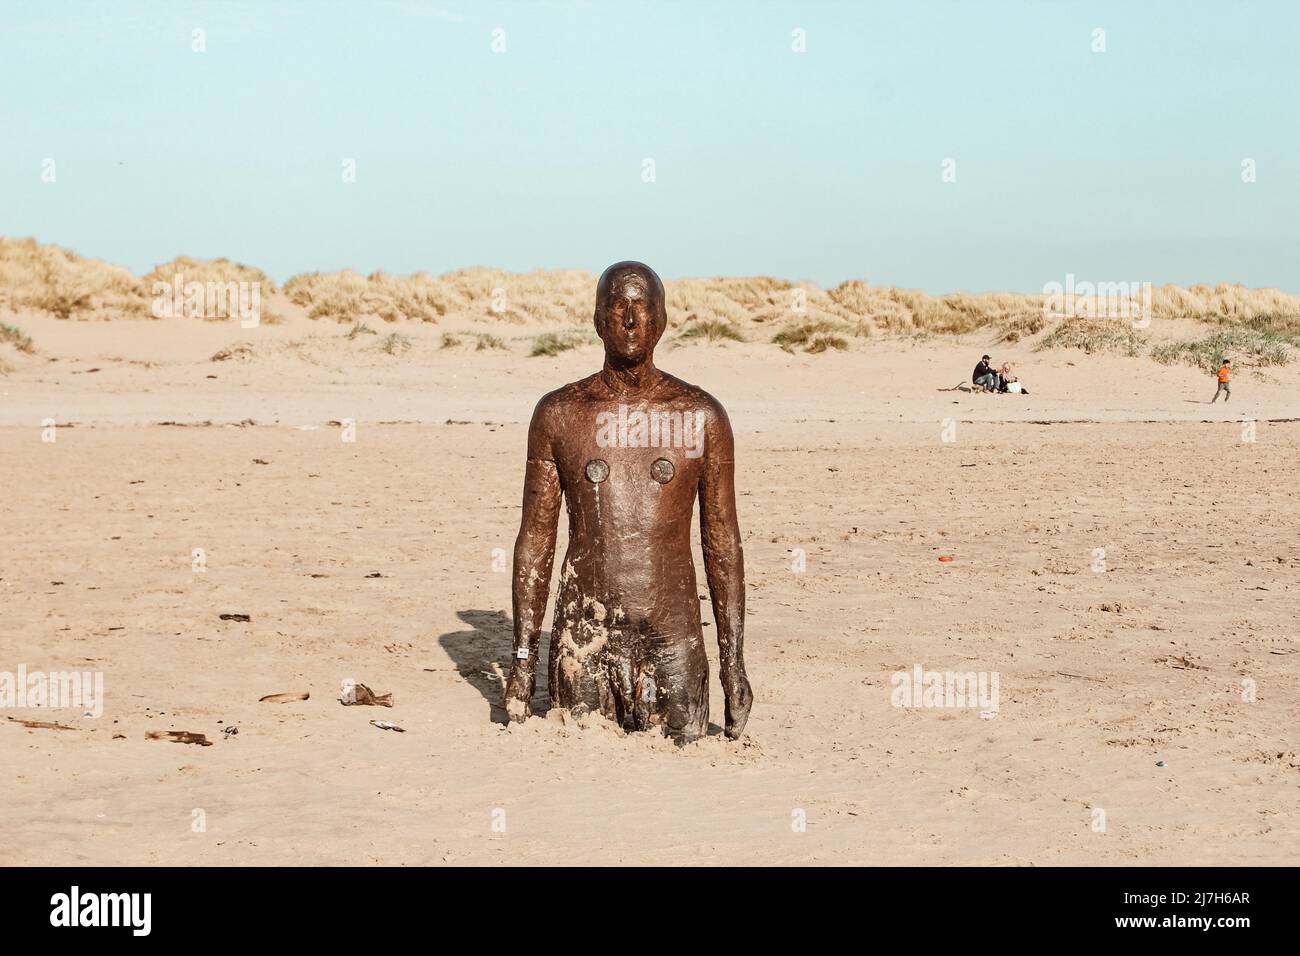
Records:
x=1224, y=387
x=985, y=377
x=1010, y=381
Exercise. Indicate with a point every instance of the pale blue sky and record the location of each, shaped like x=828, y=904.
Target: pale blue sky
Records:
x=825, y=165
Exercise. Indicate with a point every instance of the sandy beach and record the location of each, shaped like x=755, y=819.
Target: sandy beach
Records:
x=1123, y=557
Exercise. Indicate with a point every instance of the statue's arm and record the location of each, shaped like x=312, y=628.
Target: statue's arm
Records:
x=534, y=555
x=724, y=565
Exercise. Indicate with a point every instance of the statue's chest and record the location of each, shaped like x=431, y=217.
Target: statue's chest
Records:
x=634, y=444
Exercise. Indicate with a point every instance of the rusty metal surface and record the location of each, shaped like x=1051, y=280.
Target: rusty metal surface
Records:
x=629, y=451
x=662, y=471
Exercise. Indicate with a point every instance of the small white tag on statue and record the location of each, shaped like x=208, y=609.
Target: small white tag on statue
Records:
x=522, y=653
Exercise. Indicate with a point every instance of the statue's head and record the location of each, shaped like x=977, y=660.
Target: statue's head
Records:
x=630, y=313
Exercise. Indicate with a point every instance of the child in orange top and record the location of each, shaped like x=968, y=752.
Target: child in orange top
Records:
x=1224, y=387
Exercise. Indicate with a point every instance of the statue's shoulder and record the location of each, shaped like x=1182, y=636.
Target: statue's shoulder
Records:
x=694, y=395
x=566, y=396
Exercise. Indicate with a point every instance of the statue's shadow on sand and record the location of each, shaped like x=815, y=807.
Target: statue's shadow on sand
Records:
x=485, y=650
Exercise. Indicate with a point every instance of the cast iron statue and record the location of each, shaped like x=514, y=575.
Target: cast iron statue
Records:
x=629, y=449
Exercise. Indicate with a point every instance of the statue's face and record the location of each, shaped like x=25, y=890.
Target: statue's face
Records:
x=630, y=314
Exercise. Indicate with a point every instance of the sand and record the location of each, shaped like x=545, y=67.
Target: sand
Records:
x=374, y=561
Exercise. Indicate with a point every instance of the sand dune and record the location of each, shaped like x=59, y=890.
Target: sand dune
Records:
x=796, y=315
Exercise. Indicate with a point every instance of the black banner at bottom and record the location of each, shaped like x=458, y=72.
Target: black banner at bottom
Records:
x=380, y=906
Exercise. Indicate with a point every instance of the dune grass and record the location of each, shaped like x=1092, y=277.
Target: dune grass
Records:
x=483, y=341
x=814, y=337
x=1020, y=326
x=823, y=342
x=711, y=331
x=348, y=297
x=1277, y=323
x=222, y=281
x=49, y=279
x=1095, y=335
x=1245, y=346
x=793, y=315
x=16, y=337
x=63, y=284
x=553, y=343
x=241, y=352
x=395, y=343
x=1225, y=302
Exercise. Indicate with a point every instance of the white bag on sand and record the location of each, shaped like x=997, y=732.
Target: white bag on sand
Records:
x=1013, y=387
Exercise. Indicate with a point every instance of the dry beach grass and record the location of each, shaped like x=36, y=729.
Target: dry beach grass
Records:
x=48, y=279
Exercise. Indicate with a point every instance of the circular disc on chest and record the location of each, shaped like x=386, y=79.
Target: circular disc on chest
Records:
x=597, y=470
x=662, y=471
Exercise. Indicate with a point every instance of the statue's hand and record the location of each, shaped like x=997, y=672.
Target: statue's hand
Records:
x=518, y=700
x=739, y=698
